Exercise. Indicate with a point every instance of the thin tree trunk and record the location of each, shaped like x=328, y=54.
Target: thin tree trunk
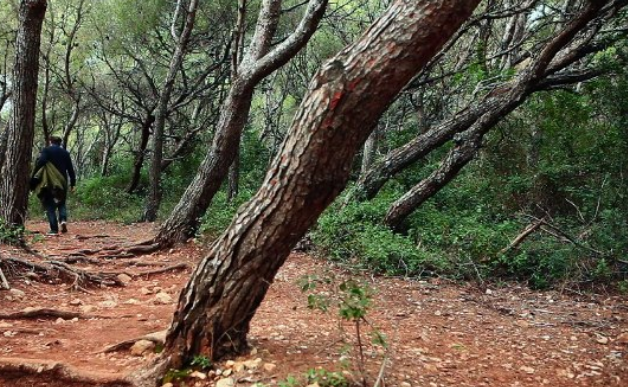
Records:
x=468, y=143
x=531, y=79
x=140, y=154
x=259, y=62
x=15, y=172
x=154, y=193
x=464, y=151
x=368, y=152
x=312, y=168
x=371, y=182
x=234, y=178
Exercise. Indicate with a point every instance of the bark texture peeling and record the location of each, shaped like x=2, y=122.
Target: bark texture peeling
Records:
x=312, y=167
x=19, y=142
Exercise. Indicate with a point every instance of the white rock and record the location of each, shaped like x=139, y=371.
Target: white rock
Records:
x=167, y=385
x=108, y=304
x=146, y=291
x=142, y=346
x=162, y=298
x=225, y=382
x=270, y=367
x=17, y=293
x=253, y=364
x=124, y=278
x=198, y=375
x=86, y=309
x=132, y=301
x=622, y=338
x=76, y=302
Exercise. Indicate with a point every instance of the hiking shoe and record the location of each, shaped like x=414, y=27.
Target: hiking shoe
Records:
x=64, y=227
x=52, y=233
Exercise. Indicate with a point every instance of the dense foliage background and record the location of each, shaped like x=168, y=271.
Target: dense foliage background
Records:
x=560, y=159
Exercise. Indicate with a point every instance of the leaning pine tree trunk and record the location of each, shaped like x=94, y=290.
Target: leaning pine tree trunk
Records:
x=311, y=169
x=19, y=143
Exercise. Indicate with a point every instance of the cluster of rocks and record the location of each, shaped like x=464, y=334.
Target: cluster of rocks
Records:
x=232, y=372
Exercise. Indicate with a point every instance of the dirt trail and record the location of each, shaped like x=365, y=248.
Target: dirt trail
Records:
x=438, y=333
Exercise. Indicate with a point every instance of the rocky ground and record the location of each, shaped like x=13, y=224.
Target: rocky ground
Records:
x=437, y=333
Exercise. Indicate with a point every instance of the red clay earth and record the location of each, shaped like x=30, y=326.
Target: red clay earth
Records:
x=438, y=333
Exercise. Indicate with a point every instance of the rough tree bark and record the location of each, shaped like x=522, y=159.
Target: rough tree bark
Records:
x=154, y=192
x=312, y=167
x=15, y=171
x=258, y=63
x=535, y=77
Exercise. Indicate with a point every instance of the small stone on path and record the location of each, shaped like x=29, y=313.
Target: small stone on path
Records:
x=141, y=347
x=225, y=382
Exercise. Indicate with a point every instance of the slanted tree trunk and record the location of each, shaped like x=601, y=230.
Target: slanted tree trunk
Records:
x=311, y=169
x=19, y=145
x=154, y=192
x=469, y=142
x=258, y=63
x=466, y=148
x=370, y=183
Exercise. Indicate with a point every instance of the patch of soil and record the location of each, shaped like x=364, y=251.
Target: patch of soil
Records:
x=438, y=333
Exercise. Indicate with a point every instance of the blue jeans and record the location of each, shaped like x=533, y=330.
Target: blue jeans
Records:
x=52, y=206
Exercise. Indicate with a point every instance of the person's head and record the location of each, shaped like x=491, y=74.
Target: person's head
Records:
x=55, y=140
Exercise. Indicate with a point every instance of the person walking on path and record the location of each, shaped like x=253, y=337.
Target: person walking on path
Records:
x=50, y=183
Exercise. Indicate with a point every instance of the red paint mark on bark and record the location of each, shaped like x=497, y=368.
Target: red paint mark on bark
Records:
x=353, y=84
x=335, y=100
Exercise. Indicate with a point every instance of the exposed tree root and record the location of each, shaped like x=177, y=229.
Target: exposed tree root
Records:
x=14, y=368
x=3, y=281
x=178, y=266
x=85, y=237
x=31, y=313
x=147, y=273
x=57, y=269
x=77, y=258
x=116, y=251
x=155, y=337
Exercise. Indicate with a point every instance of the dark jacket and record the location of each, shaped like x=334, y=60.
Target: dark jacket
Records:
x=60, y=158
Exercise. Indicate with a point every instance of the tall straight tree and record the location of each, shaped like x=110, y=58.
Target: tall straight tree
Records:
x=312, y=167
x=258, y=62
x=19, y=145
